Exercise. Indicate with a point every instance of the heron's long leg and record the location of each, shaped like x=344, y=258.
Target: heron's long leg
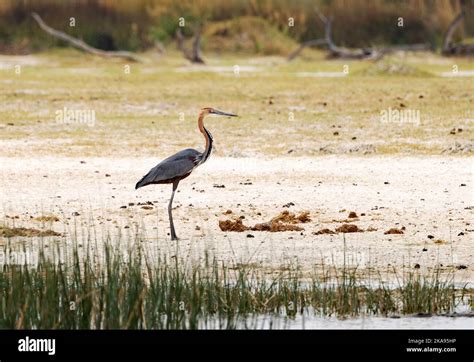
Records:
x=170, y=214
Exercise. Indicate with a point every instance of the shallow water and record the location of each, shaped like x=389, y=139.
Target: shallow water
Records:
x=273, y=322
x=384, y=323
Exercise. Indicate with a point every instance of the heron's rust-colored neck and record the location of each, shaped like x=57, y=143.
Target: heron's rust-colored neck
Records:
x=203, y=131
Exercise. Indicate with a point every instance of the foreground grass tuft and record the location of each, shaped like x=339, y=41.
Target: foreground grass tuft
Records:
x=132, y=292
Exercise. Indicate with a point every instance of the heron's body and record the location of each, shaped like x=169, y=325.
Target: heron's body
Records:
x=172, y=169
x=179, y=166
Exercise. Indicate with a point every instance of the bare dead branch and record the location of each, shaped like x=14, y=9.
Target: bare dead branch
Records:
x=194, y=56
x=180, y=40
x=321, y=16
x=78, y=43
x=344, y=53
x=448, y=38
x=196, y=52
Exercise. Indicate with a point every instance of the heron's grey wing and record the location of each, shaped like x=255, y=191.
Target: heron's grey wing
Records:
x=174, y=166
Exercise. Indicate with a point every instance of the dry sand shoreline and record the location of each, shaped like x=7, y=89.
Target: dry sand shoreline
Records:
x=423, y=194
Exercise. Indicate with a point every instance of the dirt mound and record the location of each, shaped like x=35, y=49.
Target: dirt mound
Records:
x=349, y=228
x=246, y=34
x=275, y=226
x=46, y=218
x=232, y=225
x=323, y=232
x=284, y=221
x=393, y=231
x=289, y=217
x=8, y=232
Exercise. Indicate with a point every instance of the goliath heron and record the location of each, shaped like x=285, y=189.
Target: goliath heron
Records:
x=180, y=165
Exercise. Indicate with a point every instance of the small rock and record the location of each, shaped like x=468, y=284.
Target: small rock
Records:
x=352, y=215
x=250, y=236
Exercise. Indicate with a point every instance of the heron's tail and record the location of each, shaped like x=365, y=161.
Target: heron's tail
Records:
x=141, y=183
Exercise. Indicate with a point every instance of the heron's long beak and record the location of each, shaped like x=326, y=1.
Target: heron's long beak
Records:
x=215, y=111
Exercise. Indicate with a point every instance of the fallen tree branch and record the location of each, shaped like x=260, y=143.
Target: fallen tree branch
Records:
x=334, y=50
x=450, y=48
x=340, y=52
x=78, y=43
x=344, y=53
x=448, y=37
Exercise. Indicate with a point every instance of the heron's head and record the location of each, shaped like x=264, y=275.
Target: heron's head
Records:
x=209, y=110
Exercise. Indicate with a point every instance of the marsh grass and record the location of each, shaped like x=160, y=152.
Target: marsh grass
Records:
x=132, y=291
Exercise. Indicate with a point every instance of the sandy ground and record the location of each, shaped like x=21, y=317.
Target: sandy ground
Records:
x=93, y=197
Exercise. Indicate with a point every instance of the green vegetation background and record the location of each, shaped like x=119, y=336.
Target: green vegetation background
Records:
x=138, y=25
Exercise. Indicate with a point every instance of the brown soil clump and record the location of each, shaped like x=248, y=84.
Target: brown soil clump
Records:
x=47, y=218
x=324, y=231
x=289, y=217
x=285, y=221
x=12, y=232
x=393, y=231
x=275, y=226
x=349, y=228
x=232, y=225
